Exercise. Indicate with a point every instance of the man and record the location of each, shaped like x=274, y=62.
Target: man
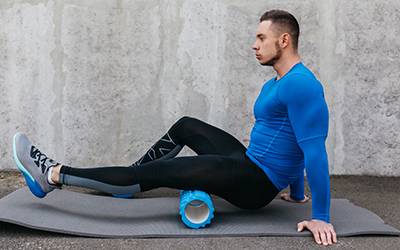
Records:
x=288, y=136
x=277, y=46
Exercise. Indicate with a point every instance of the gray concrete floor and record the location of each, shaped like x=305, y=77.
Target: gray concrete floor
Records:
x=377, y=194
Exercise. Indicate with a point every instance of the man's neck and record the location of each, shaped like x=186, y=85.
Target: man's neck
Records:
x=285, y=64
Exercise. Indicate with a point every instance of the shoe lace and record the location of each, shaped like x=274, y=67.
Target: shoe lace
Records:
x=40, y=158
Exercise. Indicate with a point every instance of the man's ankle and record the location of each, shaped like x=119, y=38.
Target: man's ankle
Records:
x=55, y=173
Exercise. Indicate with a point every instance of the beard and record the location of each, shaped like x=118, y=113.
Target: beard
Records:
x=276, y=58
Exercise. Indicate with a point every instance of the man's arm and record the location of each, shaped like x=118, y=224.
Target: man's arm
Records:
x=309, y=116
x=316, y=163
x=297, y=189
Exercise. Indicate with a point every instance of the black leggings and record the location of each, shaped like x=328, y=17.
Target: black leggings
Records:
x=221, y=167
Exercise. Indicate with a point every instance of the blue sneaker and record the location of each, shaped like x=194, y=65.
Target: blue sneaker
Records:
x=33, y=164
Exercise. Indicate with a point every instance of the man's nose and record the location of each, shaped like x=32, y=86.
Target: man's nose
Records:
x=255, y=46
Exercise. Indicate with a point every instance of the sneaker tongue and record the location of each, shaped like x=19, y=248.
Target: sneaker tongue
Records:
x=51, y=163
x=46, y=163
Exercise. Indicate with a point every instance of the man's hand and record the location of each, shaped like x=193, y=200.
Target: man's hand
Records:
x=286, y=197
x=323, y=232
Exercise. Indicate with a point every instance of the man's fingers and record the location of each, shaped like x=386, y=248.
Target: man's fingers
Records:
x=322, y=237
x=329, y=237
x=283, y=196
x=287, y=197
x=322, y=232
x=334, y=237
x=300, y=226
x=317, y=236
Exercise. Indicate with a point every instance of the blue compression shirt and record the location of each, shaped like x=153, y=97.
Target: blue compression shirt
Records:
x=289, y=135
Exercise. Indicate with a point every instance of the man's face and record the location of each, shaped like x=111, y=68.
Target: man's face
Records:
x=267, y=48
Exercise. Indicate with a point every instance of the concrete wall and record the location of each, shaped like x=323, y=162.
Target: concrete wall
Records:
x=96, y=82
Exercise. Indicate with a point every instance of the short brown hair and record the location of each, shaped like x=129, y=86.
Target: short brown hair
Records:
x=283, y=22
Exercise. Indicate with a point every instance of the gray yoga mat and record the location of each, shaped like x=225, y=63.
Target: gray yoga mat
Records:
x=101, y=216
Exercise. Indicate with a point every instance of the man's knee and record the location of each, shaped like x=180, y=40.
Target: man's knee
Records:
x=184, y=122
x=184, y=119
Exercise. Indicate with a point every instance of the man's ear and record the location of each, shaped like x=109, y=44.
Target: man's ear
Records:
x=284, y=40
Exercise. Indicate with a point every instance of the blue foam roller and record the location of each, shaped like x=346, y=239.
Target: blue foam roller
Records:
x=196, y=208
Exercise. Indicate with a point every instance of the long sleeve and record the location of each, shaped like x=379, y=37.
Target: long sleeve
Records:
x=297, y=189
x=316, y=165
x=303, y=97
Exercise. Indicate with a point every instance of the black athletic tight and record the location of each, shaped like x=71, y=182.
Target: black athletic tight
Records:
x=221, y=167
